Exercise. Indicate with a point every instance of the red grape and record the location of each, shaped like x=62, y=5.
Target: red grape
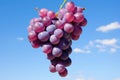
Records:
x=60, y=68
x=47, y=48
x=43, y=12
x=64, y=73
x=69, y=17
x=52, y=68
x=78, y=17
x=68, y=28
x=70, y=6
x=32, y=36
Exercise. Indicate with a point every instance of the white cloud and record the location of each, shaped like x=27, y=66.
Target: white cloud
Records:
x=104, y=45
x=20, y=38
x=78, y=50
x=107, y=41
x=109, y=27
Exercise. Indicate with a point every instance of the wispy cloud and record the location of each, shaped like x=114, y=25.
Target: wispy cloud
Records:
x=78, y=50
x=20, y=38
x=109, y=27
x=101, y=45
x=104, y=45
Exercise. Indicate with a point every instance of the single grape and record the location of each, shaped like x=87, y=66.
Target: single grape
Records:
x=51, y=14
x=47, y=48
x=46, y=21
x=68, y=28
x=43, y=36
x=78, y=17
x=84, y=22
x=58, y=33
x=32, y=36
x=57, y=52
x=55, y=61
x=75, y=37
x=54, y=40
x=77, y=30
x=69, y=17
x=64, y=55
x=60, y=68
x=38, y=27
x=50, y=56
x=43, y=12
x=70, y=6
x=64, y=44
x=36, y=44
x=67, y=62
x=50, y=29
x=64, y=73
x=68, y=50
x=52, y=68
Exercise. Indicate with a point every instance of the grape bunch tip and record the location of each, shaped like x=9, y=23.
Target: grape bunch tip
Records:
x=54, y=32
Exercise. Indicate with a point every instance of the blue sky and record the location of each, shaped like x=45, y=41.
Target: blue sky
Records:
x=95, y=56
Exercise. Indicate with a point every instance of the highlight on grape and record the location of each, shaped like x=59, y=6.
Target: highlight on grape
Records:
x=54, y=34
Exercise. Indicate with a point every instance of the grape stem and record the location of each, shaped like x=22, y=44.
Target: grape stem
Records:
x=61, y=6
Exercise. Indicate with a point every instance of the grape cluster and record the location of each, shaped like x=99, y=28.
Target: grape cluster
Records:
x=54, y=34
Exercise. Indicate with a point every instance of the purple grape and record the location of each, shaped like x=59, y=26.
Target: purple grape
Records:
x=64, y=44
x=47, y=48
x=52, y=68
x=68, y=50
x=55, y=61
x=68, y=28
x=64, y=55
x=84, y=22
x=67, y=62
x=50, y=56
x=66, y=35
x=50, y=29
x=58, y=33
x=57, y=52
x=60, y=68
x=77, y=30
x=54, y=40
x=38, y=27
x=43, y=36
